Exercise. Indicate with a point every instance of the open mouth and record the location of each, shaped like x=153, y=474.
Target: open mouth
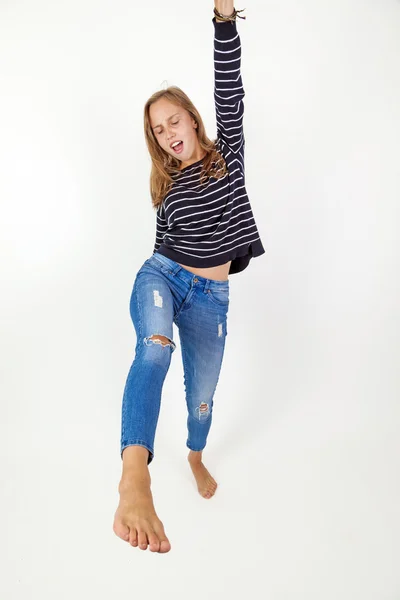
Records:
x=178, y=148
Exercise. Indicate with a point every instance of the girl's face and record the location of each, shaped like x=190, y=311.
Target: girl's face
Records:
x=172, y=123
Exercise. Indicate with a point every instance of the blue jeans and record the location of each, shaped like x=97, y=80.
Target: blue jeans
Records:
x=165, y=293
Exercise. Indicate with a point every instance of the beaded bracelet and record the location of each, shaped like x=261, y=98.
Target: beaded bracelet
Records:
x=232, y=17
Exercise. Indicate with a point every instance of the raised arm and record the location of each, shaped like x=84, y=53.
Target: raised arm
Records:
x=224, y=7
x=228, y=86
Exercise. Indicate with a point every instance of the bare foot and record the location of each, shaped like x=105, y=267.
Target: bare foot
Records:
x=135, y=519
x=205, y=483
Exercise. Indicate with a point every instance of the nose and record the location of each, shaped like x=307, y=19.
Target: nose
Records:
x=169, y=139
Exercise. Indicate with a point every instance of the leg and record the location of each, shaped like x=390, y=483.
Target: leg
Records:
x=151, y=309
x=152, y=315
x=202, y=346
x=202, y=332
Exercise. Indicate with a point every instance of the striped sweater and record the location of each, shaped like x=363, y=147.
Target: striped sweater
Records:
x=210, y=224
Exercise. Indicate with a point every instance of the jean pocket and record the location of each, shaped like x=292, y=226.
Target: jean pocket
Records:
x=160, y=266
x=165, y=270
x=219, y=296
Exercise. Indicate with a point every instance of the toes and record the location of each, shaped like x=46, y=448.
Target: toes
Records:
x=154, y=542
x=133, y=537
x=121, y=530
x=165, y=546
x=210, y=491
x=142, y=539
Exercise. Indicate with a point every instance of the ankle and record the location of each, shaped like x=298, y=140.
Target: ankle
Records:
x=195, y=456
x=135, y=455
x=141, y=482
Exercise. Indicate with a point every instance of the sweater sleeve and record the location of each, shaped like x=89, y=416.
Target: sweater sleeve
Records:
x=161, y=227
x=228, y=86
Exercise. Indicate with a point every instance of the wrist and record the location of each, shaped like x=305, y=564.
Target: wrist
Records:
x=224, y=7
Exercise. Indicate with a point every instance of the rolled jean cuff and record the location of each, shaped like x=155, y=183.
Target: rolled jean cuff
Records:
x=139, y=443
x=194, y=449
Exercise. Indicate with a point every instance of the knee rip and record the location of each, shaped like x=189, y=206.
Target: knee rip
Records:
x=203, y=409
x=160, y=339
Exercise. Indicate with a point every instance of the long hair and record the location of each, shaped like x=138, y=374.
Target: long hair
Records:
x=163, y=164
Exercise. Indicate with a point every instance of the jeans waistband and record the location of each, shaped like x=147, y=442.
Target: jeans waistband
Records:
x=188, y=276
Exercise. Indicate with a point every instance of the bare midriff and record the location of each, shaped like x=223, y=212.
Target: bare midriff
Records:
x=220, y=273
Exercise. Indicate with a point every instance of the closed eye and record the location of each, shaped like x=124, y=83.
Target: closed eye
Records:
x=174, y=123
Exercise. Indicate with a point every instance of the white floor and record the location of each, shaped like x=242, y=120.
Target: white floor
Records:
x=305, y=440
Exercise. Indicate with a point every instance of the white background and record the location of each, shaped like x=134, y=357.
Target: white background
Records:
x=305, y=437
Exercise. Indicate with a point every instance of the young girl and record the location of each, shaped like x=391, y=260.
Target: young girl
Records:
x=205, y=230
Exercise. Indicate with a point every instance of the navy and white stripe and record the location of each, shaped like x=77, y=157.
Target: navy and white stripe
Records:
x=228, y=86
x=205, y=225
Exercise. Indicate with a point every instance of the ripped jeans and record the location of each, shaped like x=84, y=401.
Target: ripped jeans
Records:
x=165, y=293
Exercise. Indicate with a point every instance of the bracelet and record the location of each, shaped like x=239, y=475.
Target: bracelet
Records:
x=232, y=17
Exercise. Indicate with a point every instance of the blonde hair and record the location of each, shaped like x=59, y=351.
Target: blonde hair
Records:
x=163, y=164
